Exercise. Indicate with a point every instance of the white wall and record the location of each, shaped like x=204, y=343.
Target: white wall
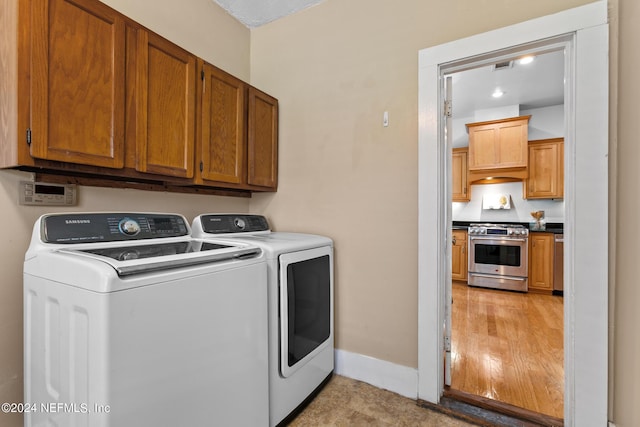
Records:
x=520, y=208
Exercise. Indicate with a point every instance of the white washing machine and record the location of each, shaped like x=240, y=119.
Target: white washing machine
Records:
x=129, y=321
x=300, y=292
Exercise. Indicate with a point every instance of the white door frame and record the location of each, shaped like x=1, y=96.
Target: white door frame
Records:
x=586, y=207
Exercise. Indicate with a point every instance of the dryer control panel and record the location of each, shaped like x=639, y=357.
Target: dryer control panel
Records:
x=110, y=227
x=233, y=223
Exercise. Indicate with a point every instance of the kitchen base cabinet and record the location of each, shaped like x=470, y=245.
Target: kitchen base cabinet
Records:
x=459, y=255
x=541, y=246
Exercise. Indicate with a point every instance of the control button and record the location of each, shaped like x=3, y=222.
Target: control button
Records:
x=129, y=227
x=239, y=223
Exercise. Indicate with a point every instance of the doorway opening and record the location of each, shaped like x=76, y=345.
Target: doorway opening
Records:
x=506, y=347
x=586, y=178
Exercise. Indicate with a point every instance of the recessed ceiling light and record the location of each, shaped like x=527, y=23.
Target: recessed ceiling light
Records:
x=497, y=93
x=526, y=60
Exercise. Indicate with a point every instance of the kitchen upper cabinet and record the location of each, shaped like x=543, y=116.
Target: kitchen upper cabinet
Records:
x=546, y=169
x=165, y=103
x=497, y=146
x=541, y=246
x=223, y=143
x=263, y=139
x=77, y=84
x=460, y=185
x=459, y=261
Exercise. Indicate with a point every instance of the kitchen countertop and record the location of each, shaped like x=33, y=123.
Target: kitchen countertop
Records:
x=551, y=227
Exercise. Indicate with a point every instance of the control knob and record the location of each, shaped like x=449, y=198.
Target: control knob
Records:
x=239, y=223
x=129, y=227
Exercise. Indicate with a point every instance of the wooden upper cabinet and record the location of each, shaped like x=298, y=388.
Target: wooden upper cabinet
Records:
x=102, y=99
x=262, y=139
x=498, y=144
x=223, y=144
x=460, y=186
x=77, y=83
x=546, y=169
x=165, y=102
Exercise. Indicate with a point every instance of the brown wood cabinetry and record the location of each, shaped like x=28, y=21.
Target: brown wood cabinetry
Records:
x=459, y=255
x=165, y=94
x=77, y=85
x=239, y=132
x=223, y=144
x=498, y=146
x=460, y=185
x=263, y=139
x=546, y=169
x=541, y=247
x=91, y=95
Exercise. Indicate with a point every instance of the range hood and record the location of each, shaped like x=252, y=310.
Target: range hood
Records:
x=497, y=176
x=498, y=150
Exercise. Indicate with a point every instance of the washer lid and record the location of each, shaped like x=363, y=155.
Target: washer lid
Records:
x=136, y=259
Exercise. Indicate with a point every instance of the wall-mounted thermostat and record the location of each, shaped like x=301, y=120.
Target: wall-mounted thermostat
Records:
x=44, y=194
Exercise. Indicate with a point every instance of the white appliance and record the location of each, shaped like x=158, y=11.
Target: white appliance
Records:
x=129, y=321
x=300, y=288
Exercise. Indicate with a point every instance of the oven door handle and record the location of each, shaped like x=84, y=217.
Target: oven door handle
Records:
x=493, y=276
x=499, y=239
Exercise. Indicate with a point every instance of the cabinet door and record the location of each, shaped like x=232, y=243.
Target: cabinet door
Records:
x=459, y=255
x=498, y=144
x=459, y=189
x=546, y=170
x=77, y=83
x=223, y=140
x=262, y=139
x=541, y=246
x=165, y=107
x=512, y=144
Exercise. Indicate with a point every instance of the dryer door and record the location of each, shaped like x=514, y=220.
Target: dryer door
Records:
x=306, y=306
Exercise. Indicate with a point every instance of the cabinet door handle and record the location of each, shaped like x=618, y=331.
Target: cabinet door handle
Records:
x=454, y=240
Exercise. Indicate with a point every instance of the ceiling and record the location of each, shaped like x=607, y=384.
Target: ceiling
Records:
x=534, y=85
x=539, y=84
x=254, y=13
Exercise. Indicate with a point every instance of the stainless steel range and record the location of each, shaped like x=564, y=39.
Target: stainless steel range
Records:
x=498, y=256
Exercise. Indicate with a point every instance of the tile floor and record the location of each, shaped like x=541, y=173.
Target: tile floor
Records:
x=347, y=402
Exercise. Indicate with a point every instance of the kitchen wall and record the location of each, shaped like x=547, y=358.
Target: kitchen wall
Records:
x=201, y=27
x=520, y=208
x=547, y=122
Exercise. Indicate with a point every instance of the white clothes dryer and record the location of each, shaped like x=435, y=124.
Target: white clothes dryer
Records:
x=300, y=293
x=129, y=321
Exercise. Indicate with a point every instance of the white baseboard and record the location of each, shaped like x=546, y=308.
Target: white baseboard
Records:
x=379, y=373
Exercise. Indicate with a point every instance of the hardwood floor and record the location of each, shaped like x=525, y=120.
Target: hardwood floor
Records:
x=508, y=346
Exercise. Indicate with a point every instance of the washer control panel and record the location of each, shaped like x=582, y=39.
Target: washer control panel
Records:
x=110, y=227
